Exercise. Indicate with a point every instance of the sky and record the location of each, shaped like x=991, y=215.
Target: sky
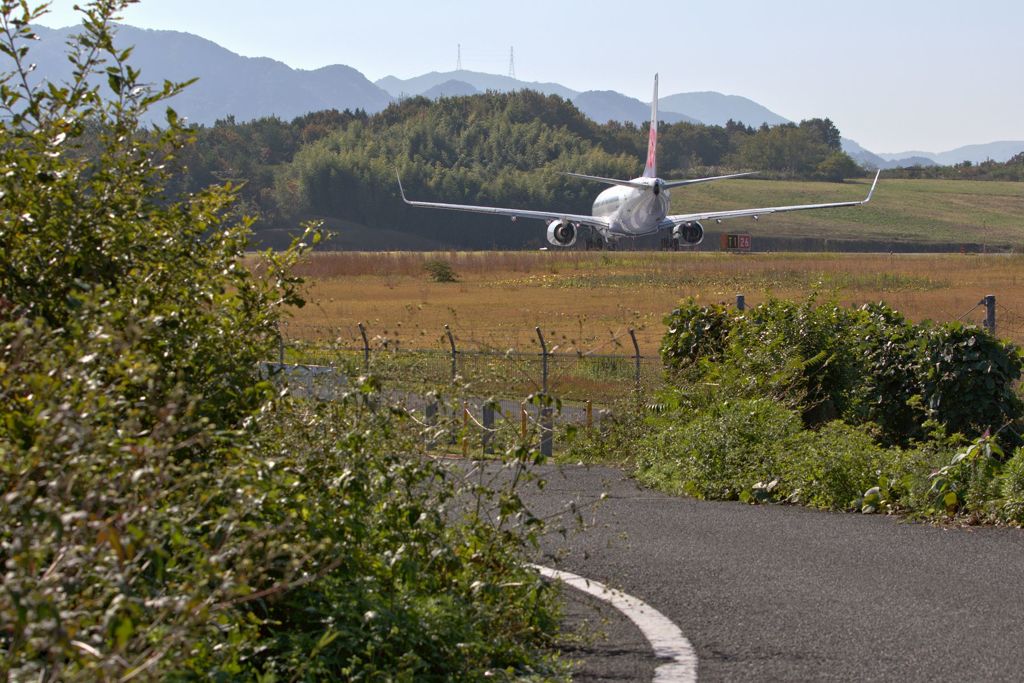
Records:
x=894, y=75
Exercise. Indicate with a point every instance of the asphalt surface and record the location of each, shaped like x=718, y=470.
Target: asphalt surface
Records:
x=785, y=593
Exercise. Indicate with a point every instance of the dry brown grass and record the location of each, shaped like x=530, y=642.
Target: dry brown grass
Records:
x=588, y=301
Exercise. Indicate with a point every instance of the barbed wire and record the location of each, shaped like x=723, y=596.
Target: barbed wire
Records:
x=976, y=307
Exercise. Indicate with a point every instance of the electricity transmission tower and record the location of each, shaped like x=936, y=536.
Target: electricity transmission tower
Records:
x=512, y=62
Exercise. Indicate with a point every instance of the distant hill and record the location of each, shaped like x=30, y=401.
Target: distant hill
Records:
x=600, y=105
x=229, y=84
x=715, y=109
x=862, y=156
x=607, y=105
x=420, y=85
x=1000, y=151
x=450, y=88
x=911, y=161
x=996, y=151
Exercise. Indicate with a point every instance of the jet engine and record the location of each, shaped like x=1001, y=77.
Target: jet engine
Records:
x=690, y=234
x=561, y=233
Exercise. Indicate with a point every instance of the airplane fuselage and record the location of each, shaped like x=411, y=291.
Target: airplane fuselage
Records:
x=631, y=211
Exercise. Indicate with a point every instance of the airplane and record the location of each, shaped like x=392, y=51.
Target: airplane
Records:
x=637, y=207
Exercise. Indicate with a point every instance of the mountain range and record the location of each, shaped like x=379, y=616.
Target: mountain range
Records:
x=230, y=85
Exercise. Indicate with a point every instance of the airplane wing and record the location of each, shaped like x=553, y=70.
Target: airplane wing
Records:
x=740, y=213
x=595, y=221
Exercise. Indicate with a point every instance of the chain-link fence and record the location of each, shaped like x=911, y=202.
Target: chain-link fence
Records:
x=497, y=396
x=490, y=390
x=573, y=376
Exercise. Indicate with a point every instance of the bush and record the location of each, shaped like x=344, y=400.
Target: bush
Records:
x=440, y=271
x=695, y=332
x=969, y=379
x=890, y=352
x=726, y=449
x=830, y=468
x=757, y=451
x=799, y=353
x=167, y=513
x=864, y=366
x=1011, y=481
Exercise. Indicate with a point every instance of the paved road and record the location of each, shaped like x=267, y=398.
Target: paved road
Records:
x=784, y=593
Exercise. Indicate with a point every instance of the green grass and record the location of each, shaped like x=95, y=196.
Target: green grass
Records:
x=932, y=211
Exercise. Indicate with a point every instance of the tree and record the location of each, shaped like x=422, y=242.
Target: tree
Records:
x=826, y=132
x=838, y=166
x=168, y=512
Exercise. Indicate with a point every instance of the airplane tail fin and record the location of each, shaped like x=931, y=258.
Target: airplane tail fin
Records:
x=651, y=169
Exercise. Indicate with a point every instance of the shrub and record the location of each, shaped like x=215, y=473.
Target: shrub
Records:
x=440, y=271
x=968, y=382
x=832, y=467
x=1011, y=481
x=865, y=366
x=695, y=332
x=167, y=513
x=969, y=482
x=800, y=353
x=890, y=352
x=725, y=450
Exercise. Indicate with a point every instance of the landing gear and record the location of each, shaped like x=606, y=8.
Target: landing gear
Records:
x=600, y=244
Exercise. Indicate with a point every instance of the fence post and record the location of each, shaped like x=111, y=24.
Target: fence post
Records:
x=590, y=414
x=523, y=418
x=366, y=347
x=636, y=355
x=451, y=342
x=547, y=432
x=741, y=302
x=280, y=346
x=544, y=360
x=488, y=438
x=990, y=314
x=465, y=430
x=431, y=413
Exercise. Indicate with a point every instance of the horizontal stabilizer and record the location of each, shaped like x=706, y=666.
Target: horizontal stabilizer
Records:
x=680, y=183
x=610, y=181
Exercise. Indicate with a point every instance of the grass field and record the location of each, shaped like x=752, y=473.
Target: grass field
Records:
x=588, y=301
x=927, y=211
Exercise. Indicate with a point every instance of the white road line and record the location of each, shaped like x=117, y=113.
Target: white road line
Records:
x=665, y=638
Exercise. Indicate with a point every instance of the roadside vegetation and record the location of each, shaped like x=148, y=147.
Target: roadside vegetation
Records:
x=166, y=511
x=831, y=407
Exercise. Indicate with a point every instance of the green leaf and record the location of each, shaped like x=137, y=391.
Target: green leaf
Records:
x=123, y=630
